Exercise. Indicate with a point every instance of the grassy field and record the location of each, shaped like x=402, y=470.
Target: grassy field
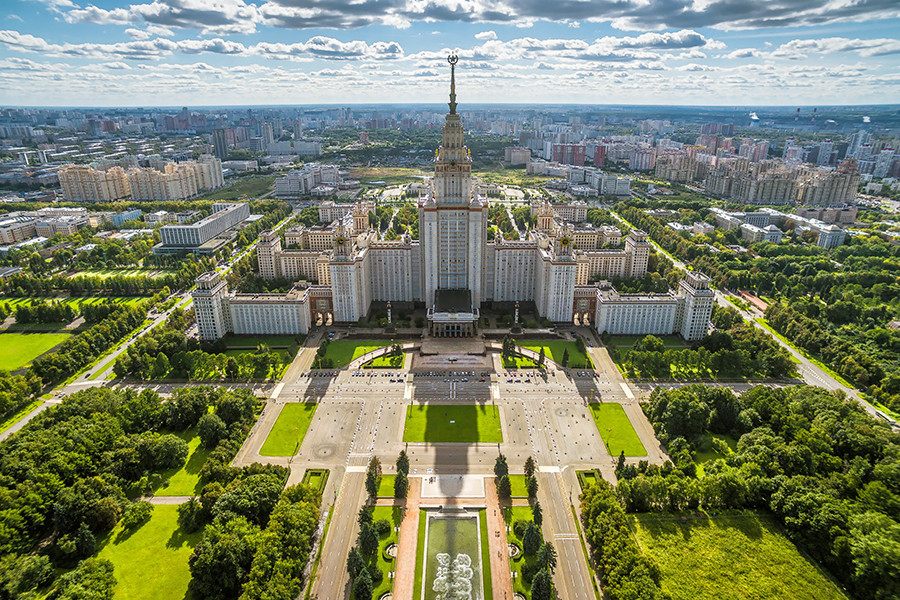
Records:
x=706, y=453
x=737, y=557
x=385, y=362
x=438, y=423
x=290, y=428
x=510, y=516
x=519, y=362
x=73, y=301
x=627, y=342
x=485, y=555
x=420, y=552
x=246, y=187
x=394, y=515
x=185, y=481
x=554, y=350
x=343, y=352
x=386, y=486
x=616, y=430
x=16, y=416
x=518, y=485
x=152, y=562
x=389, y=175
x=316, y=478
x=131, y=272
x=19, y=349
x=586, y=478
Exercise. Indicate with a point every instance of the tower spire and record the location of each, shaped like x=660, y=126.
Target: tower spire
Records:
x=453, y=59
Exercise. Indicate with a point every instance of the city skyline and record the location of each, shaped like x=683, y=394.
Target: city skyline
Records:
x=169, y=53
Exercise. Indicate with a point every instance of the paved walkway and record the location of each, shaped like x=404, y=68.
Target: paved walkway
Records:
x=405, y=573
x=168, y=499
x=501, y=581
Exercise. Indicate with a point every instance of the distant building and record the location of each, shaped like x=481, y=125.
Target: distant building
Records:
x=516, y=155
x=83, y=183
x=120, y=219
x=178, y=238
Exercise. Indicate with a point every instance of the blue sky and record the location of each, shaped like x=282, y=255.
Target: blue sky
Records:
x=221, y=52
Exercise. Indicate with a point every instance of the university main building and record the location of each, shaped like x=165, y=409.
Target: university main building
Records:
x=452, y=268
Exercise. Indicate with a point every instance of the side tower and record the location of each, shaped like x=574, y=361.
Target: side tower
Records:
x=209, y=306
x=267, y=251
x=698, y=301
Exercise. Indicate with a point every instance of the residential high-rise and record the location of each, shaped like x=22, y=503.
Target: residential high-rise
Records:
x=220, y=147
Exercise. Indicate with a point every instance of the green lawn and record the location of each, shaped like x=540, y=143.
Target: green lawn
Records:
x=290, y=428
x=19, y=349
x=706, y=453
x=628, y=341
x=392, y=514
x=344, y=351
x=554, y=350
x=519, y=362
x=152, y=562
x=386, y=486
x=385, y=362
x=127, y=272
x=510, y=516
x=586, y=478
x=616, y=430
x=19, y=414
x=185, y=481
x=438, y=423
x=518, y=485
x=420, y=552
x=73, y=301
x=245, y=187
x=485, y=555
x=737, y=557
x=316, y=478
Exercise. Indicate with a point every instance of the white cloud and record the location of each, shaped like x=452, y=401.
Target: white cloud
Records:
x=486, y=35
x=866, y=48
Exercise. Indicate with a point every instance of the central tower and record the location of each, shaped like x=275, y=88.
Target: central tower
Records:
x=453, y=219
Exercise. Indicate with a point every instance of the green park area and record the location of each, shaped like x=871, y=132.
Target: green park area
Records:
x=442, y=423
x=73, y=301
x=713, y=446
x=556, y=350
x=517, y=519
x=185, y=480
x=289, y=430
x=246, y=187
x=737, y=557
x=151, y=562
x=386, y=536
x=616, y=430
x=252, y=341
x=342, y=352
x=19, y=349
x=627, y=342
x=127, y=272
x=586, y=478
x=386, y=176
x=386, y=486
x=519, y=486
x=315, y=478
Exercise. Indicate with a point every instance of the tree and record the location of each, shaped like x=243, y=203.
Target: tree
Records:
x=531, y=541
x=85, y=542
x=231, y=368
x=362, y=586
x=504, y=488
x=364, y=516
x=373, y=477
x=500, y=466
x=137, y=514
x=537, y=514
x=565, y=358
x=190, y=515
x=530, y=467
x=401, y=485
x=211, y=430
x=356, y=564
x=92, y=579
x=546, y=557
x=541, y=357
x=532, y=485
x=368, y=540
x=403, y=462
x=221, y=561
x=542, y=586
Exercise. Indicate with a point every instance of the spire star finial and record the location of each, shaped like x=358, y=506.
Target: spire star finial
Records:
x=453, y=59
